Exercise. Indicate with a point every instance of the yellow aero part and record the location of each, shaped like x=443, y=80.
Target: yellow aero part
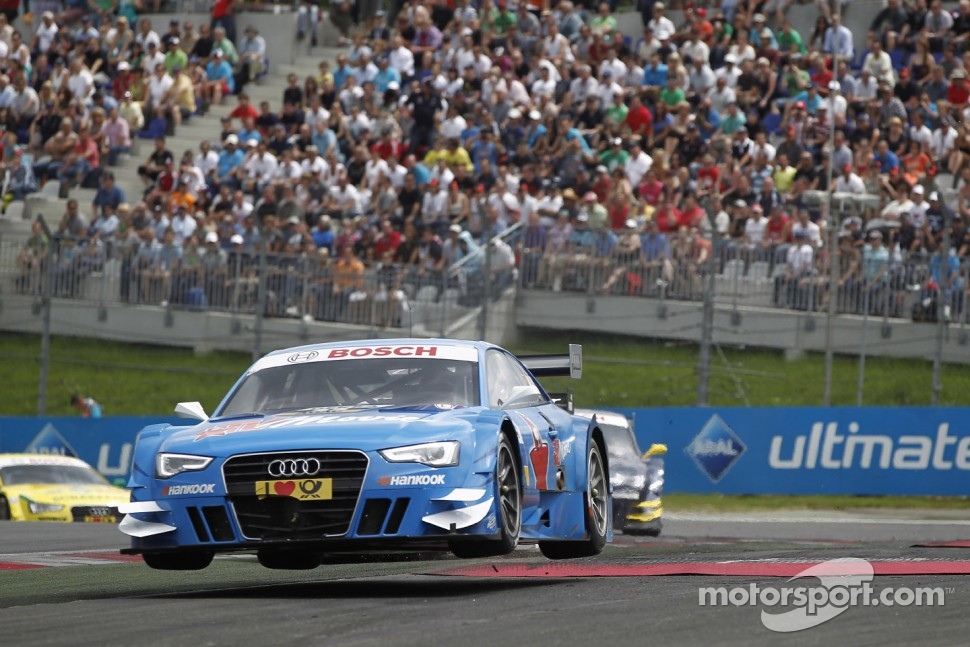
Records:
x=300, y=489
x=646, y=511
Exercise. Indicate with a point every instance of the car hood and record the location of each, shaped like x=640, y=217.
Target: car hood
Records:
x=364, y=429
x=69, y=494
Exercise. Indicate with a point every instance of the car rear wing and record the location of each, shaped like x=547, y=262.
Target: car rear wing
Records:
x=570, y=365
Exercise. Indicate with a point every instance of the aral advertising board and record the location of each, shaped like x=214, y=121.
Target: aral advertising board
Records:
x=840, y=450
x=105, y=443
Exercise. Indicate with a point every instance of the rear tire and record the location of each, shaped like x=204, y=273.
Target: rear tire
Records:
x=508, y=493
x=287, y=560
x=178, y=561
x=4, y=509
x=597, y=500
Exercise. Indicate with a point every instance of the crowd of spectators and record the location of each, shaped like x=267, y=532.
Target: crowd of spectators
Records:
x=633, y=163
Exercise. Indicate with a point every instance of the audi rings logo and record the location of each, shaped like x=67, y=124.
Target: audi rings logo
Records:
x=302, y=357
x=294, y=467
x=99, y=511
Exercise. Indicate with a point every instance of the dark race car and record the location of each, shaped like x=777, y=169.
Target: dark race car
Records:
x=637, y=479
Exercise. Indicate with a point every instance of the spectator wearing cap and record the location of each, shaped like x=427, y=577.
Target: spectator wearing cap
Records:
x=152, y=58
x=86, y=31
x=662, y=27
x=175, y=57
x=122, y=81
x=221, y=80
x=45, y=34
x=130, y=110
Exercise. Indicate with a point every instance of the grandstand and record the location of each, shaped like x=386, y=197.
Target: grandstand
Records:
x=408, y=171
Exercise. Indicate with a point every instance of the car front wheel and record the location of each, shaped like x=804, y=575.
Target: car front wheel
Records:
x=597, y=500
x=4, y=509
x=508, y=493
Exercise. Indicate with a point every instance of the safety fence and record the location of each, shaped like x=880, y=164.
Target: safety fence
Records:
x=309, y=286
x=891, y=285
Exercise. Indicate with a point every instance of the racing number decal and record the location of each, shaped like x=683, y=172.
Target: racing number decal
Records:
x=300, y=489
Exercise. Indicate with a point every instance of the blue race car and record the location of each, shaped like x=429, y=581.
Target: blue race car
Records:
x=374, y=446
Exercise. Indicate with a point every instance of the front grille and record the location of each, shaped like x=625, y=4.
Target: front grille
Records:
x=280, y=517
x=85, y=512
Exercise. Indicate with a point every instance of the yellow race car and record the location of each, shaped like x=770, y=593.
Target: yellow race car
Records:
x=35, y=487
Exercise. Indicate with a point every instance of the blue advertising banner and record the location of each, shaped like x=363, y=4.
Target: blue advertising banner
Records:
x=105, y=443
x=812, y=450
x=800, y=450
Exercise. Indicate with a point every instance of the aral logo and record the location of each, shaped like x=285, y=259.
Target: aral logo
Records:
x=716, y=448
x=50, y=441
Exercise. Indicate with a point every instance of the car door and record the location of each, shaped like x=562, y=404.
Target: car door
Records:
x=539, y=417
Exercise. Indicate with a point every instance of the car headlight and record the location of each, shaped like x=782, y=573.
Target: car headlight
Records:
x=439, y=454
x=41, y=508
x=168, y=465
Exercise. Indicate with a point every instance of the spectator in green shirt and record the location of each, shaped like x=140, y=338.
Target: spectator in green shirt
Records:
x=673, y=94
x=603, y=22
x=616, y=113
x=175, y=57
x=732, y=120
x=614, y=156
x=789, y=40
x=221, y=42
x=503, y=19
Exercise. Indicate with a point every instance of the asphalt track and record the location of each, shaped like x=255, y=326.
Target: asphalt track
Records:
x=65, y=585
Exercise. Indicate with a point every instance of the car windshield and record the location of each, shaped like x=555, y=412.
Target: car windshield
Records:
x=50, y=475
x=365, y=382
x=620, y=443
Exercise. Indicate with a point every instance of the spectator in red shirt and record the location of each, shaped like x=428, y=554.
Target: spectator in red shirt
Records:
x=667, y=217
x=388, y=240
x=244, y=108
x=122, y=81
x=638, y=118
x=707, y=175
x=959, y=91
x=692, y=215
x=388, y=146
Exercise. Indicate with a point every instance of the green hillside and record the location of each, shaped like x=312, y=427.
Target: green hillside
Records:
x=141, y=379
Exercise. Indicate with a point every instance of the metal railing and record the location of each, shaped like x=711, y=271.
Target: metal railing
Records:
x=306, y=286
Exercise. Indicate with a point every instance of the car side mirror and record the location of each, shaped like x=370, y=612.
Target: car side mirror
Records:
x=191, y=410
x=656, y=449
